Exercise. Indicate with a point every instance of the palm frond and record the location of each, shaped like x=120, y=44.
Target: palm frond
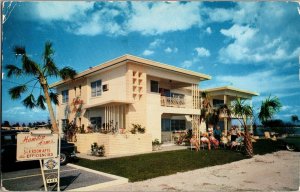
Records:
x=29, y=101
x=268, y=108
x=54, y=98
x=19, y=50
x=13, y=70
x=50, y=68
x=15, y=92
x=48, y=52
x=241, y=109
x=40, y=102
x=29, y=66
x=67, y=72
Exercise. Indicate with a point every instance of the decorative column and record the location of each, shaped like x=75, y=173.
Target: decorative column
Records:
x=225, y=118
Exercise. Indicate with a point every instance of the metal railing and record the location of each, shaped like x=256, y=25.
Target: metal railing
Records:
x=172, y=102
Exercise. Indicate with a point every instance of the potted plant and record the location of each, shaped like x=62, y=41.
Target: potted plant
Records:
x=97, y=150
x=156, y=145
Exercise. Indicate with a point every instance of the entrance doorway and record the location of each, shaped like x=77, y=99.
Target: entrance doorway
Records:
x=169, y=127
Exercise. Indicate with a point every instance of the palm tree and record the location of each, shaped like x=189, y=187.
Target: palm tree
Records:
x=268, y=108
x=210, y=114
x=244, y=111
x=39, y=74
x=294, y=118
x=206, y=108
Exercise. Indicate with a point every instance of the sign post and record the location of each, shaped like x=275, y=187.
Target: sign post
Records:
x=41, y=145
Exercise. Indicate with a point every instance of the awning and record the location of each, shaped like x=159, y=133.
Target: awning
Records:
x=108, y=103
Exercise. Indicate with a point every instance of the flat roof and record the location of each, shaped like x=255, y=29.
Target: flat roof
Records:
x=125, y=58
x=230, y=88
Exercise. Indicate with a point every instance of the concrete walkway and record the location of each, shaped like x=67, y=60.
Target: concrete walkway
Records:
x=278, y=171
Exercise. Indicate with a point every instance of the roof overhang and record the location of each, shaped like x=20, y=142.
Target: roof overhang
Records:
x=108, y=103
x=130, y=58
x=230, y=91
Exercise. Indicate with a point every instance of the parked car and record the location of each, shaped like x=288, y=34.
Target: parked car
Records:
x=9, y=148
x=291, y=142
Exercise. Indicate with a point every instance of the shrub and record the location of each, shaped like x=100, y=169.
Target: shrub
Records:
x=137, y=128
x=97, y=150
x=156, y=142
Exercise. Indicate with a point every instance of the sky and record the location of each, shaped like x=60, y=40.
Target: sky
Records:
x=253, y=46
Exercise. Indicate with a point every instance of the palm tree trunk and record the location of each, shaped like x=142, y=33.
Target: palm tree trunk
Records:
x=44, y=85
x=248, y=142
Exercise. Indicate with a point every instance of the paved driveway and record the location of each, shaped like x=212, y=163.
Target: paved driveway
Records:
x=72, y=178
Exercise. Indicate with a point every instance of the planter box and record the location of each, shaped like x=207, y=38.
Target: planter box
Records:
x=118, y=144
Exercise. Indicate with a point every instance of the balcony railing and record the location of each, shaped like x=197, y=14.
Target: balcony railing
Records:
x=172, y=102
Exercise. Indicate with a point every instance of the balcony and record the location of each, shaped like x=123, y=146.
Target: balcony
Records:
x=178, y=102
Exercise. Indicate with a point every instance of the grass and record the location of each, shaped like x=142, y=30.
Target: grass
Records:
x=146, y=166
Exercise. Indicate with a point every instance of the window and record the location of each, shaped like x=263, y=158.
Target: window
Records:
x=64, y=124
x=177, y=95
x=96, y=123
x=105, y=87
x=96, y=88
x=79, y=90
x=172, y=125
x=218, y=102
x=65, y=96
x=154, y=86
x=177, y=125
x=165, y=92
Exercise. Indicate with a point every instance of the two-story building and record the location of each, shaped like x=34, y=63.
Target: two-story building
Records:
x=130, y=90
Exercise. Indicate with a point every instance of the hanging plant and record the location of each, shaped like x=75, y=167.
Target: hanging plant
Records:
x=77, y=105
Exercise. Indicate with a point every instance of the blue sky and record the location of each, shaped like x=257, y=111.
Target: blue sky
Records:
x=249, y=45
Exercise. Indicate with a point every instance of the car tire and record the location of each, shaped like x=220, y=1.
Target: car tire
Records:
x=63, y=159
x=290, y=147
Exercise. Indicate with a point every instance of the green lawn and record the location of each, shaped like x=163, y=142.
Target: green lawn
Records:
x=146, y=166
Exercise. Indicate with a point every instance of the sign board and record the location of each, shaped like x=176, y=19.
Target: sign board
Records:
x=50, y=164
x=51, y=179
x=34, y=147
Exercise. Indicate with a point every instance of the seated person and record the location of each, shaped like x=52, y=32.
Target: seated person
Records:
x=217, y=133
x=204, y=139
x=194, y=141
x=238, y=140
x=210, y=129
x=224, y=140
x=214, y=141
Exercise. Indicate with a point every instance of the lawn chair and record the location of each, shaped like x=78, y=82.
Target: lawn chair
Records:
x=203, y=145
x=239, y=146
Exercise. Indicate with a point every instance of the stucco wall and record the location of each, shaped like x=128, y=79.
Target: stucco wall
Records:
x=118, y=144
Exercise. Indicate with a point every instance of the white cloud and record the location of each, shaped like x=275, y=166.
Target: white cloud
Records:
x=119, y=18
x=65, y=11
x=262, y=81
x=148, y=52
x=26, y=114
x=202, y=52
x=171, y=50
x=156, y=43
x=160, y=17
x=208, y=30
x=258, y=33
x=187, y=64
x=219, y=14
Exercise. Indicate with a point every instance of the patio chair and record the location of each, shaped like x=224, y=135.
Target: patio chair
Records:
x=203, y=145
x=239, y=146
